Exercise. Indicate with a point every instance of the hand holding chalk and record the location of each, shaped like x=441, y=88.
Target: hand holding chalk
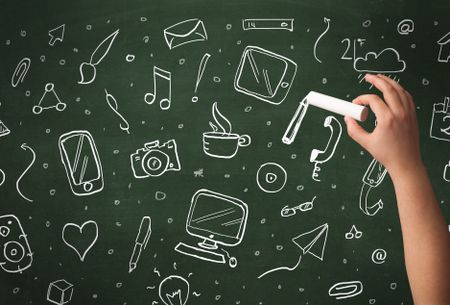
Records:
x=395, y=140
x=326, y=102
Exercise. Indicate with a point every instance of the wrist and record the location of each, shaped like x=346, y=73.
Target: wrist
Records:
x=413, y=170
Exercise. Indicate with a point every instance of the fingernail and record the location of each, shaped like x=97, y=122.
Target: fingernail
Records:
x=368, y=76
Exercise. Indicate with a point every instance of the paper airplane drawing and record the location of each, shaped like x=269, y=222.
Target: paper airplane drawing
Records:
x=312, y=242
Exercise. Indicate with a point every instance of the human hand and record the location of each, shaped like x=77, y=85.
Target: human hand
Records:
x=395, y=140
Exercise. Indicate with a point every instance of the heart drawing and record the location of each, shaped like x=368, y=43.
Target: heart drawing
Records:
x=80, y=238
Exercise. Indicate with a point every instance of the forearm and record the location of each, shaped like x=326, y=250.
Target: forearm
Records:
x=425, y=237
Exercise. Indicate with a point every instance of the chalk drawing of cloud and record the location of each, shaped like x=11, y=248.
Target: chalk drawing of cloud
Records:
x=386, y=61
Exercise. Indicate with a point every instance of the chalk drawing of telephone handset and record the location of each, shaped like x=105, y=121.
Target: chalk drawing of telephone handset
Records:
x=321, y=156
x=372, y=178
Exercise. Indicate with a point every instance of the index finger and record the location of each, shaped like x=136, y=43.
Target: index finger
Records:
x=374, y=102
x=390, y=94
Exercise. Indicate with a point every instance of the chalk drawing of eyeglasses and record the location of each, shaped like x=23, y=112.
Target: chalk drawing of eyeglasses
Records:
x=286, y=211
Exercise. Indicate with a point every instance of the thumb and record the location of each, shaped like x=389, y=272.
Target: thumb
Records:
x=356, y=132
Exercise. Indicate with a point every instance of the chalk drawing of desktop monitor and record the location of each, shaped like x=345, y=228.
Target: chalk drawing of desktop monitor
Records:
x=218, y=220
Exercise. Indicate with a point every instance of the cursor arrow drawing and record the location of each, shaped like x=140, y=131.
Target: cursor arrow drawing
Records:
x=312, y=242
x=57, y=34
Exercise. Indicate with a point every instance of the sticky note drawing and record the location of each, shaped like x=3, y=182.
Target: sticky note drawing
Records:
x=440, y=120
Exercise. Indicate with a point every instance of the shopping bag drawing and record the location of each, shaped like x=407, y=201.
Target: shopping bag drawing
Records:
x=185, y=32
x=440, y=120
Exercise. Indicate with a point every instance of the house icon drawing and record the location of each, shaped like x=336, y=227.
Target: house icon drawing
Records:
x=444, y=48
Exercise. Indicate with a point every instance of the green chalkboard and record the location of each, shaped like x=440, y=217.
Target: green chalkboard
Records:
x=142, y=161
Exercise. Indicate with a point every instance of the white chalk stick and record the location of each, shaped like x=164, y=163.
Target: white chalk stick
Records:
x=338, y=106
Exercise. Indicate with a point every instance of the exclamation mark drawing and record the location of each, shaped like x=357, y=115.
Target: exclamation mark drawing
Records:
x=201, y=70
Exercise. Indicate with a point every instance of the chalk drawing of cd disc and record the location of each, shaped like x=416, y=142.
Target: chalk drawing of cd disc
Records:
x=271, y=177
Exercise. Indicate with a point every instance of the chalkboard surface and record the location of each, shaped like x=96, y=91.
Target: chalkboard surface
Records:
x=142, y=159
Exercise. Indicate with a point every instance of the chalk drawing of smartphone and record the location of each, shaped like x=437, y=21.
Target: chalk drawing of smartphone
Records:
x=81, y=162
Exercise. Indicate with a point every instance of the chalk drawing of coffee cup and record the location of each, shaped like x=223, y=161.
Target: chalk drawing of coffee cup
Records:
x=221, y=142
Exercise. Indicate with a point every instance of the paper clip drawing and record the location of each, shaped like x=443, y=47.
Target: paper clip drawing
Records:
x=20, y=72
x=386, y=61
x=140, y=243
x=286, y=211
x=353, y=233
x=174, y=290
x=49, y=101
x=80, y=238
x=264, y=75
x=444, y=48
x=56, y=34
x=81, y=161
x=405, y=27
x=4, y=130
x=445, y=175
x=440, y=120
x=185, y=32
x=162, y=89
x=319, y=157
x=327, y=22
x=154, y=159
x=218, y=220
x=200, y=71
x=15, y=251
x=325, y=102
x=24, y=146
x=221, y=142
x=88, y=70
x=373, y=177
x=268, y=24
x=59, y=292
x=312, y=242
x=112, y=103
x=271, y=177
x=345, y=290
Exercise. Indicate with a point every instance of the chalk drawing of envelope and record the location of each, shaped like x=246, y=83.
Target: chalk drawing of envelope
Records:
x=185, y=32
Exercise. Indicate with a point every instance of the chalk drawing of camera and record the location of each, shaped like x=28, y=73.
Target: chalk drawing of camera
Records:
x=155, y=159
x=15, y=252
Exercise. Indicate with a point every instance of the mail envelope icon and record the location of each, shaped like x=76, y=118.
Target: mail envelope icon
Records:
x=185, y=32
